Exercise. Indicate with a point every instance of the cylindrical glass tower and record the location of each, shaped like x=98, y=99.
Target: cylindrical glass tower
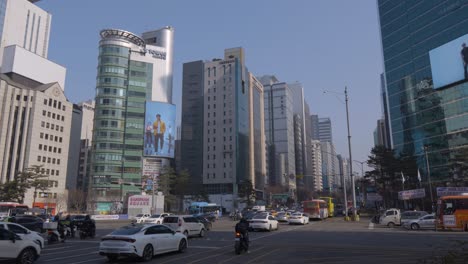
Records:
x=118, y=120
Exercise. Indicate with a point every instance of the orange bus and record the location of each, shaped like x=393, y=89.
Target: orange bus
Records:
x=452, y=212
x=316, y=209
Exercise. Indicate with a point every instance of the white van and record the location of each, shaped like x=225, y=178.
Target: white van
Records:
x=391, y=217
x=185, y=224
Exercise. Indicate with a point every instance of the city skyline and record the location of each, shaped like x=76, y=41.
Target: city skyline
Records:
x=309, y=47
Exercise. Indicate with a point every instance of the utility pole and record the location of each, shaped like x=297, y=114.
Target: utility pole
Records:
x=350, y=156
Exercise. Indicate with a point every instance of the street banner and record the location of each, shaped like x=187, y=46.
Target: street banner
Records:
x=411, y=194
x=444, y=191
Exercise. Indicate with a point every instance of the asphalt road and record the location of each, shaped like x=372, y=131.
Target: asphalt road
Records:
x=330, y=241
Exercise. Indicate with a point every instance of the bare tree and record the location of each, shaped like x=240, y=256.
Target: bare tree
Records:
x=77, y=200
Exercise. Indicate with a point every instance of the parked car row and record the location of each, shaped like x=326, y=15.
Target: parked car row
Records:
x=410, y=219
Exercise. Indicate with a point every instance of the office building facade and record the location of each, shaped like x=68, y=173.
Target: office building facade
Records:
x=325, y=129
x=314, y=179
x=216, y=143
x=279, y=133
x=133, y=73
x=423, y=113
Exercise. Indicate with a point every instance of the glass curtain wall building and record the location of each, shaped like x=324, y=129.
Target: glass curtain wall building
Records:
x=421, y=114
x=127, y=72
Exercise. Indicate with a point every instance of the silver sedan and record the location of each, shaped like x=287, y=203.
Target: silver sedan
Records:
x=425, y=222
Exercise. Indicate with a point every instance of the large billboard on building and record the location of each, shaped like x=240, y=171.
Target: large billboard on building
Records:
x=160, y=129
x=151, y=170
x=449, y=62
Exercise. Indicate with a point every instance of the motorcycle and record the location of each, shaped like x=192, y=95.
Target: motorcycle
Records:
x=240, y=243
x=87, y=232
x=54, y=234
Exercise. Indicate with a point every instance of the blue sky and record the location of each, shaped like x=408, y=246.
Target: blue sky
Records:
x=324, y=44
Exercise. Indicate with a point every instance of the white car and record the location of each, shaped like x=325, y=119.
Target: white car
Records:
x=23, y=232
x=283, y=216
x=140, y=218
x=156, y=218
x=185, y=224
x=264, y=222
x=23, y=250
x=298, y=218
x=141, y=241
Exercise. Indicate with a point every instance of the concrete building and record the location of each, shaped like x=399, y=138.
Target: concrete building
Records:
x=36, y=116
x=133, y=74
x=345, y=175
x=279, y=133
x=299, y=109
x=314, y=179
x=330, y=166
x=216, y=145
x=35, y=122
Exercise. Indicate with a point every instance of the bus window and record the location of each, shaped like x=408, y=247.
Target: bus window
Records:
x=448, y=210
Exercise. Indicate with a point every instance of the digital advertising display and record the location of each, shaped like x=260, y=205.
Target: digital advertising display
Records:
x=159, y=138
x=449, y=62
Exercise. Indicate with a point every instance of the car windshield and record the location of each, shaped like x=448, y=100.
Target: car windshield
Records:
x=297, y=214
x=78, y=217
x=127, y=230
x=155, y=216
x=260, y=216
x=139, y=215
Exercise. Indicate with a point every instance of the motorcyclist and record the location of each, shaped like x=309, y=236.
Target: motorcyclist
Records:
x=60, y=227
x=243, y=228
x=68, y=222
x=88, y=226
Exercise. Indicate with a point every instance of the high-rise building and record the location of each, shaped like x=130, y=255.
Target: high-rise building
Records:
x=279, y=133
x=344, y=171
x=215, y=144
x=299, y=109
x=330, y=167
x=325, y=129
x=387, y=139
x=133, y=114
x=257, y=135
x=314, y=179
x=314, y=127
x=74, y=148
x=425, y=83
x=36, y=116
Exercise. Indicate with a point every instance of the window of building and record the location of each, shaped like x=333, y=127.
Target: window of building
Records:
x=55, y=103
x=57, y=172
x=42, y=123
x=214, y=71
x=47, y=125
x=59, y=150
x=43, y=159
x=63, y=108
x=208, y=166
x=52, y=172
x=58, y=162
x=60, y=139
x=44, y=112
x=41, y=135
x=40, y=146
x=49, y=114
x=53, y=161
x=52, y=126
x=59, y=105
x=53, y=115
x=50, y=148
x=61, y=129
x=39, y=158
x=48, y=160
x=55, y=195
x=207, y=175
x=47, y=136
x=63, y=118
x=45, y=101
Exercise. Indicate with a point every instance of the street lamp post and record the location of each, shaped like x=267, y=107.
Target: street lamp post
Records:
x=429, y=177
x=350, y=155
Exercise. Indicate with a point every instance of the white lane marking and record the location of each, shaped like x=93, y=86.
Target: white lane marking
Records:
x=73, y=256
x=65, y=251
x=89, y=260
x=228, y=246
x=54, y=248
x=229, y=259
x=205, y=247
x=261, y=256
x=371, y=226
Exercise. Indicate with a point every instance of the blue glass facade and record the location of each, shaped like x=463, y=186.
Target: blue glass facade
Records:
x=420, y=115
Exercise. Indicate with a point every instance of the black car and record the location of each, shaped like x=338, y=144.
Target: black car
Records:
x=207, y=223
x=31, y=222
